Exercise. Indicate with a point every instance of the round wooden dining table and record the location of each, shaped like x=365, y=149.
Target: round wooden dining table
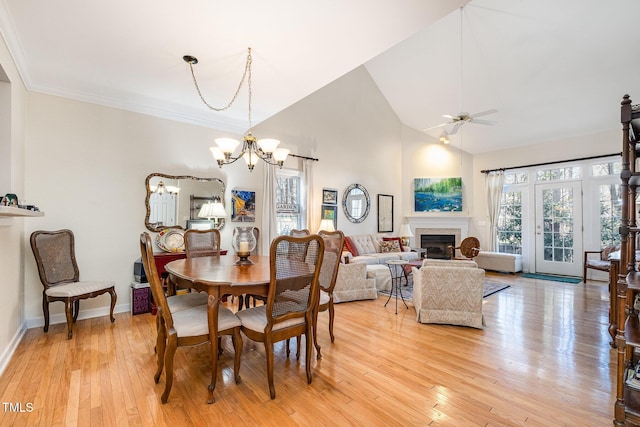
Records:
x=219, y=276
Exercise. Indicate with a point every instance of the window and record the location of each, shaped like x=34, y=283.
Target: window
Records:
x=557, y=174
x=607, y=175
x=288, y=202
x=510, y=223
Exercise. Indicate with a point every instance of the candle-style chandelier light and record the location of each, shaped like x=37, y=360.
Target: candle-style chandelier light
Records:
x=252, y=148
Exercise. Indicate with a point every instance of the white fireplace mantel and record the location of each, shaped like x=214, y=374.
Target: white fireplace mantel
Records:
x=420, y=223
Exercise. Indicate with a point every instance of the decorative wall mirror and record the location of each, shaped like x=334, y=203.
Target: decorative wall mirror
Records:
x=356, y=203
x=177, y=202
x=385, y=213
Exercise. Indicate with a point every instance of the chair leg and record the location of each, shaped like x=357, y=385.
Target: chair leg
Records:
x=307, y=362
x=161, y=345
x=268, y=347
x=76, y=310
x=172, y=345
x=237, y=348
x=584, y=274
x=45, y=311
x=331, y=317
x=114, y=298
x=69, y=312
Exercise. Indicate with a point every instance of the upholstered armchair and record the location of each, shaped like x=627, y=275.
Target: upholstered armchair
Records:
x=449, y=292
x=353, y=284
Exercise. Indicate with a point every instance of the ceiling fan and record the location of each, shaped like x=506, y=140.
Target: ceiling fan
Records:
x=462, y=118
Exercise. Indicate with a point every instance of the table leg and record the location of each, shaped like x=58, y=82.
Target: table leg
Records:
x=212, y=317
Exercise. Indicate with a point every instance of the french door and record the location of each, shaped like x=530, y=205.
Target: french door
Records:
x=558, y=219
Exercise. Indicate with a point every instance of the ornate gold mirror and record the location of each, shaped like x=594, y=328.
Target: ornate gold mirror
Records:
x=178, y=202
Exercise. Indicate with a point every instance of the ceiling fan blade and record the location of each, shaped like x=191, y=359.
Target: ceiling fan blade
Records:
x=483, y=122
x=449, y=116
x=435, y=127
x=455, y=127
x=483, y=113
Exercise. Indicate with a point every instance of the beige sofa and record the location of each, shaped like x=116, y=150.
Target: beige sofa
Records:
x=449, y=292
x=369, y=249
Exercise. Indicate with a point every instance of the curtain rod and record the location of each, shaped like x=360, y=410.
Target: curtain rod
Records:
x=550, y=163
x=304, y=157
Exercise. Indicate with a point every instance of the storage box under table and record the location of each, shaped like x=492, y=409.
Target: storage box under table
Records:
x=141, y=299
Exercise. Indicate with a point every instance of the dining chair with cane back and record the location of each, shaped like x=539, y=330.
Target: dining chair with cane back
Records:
x=54, y=252
x=202, y=243
x=186, y=326
x=469, y=248
x=283, y=317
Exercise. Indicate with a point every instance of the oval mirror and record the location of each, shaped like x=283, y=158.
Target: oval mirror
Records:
x=178, y=202
x=355, y=203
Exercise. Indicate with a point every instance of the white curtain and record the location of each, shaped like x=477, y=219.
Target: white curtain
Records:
x=493, y=184
x=269, y=228
x=307, y=202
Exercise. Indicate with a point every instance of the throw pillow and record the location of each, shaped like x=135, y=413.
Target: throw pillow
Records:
x=398, y=239
x=389, y=246
x=350, y=246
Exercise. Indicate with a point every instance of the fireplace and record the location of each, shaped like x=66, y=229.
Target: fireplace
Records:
x=437, y=245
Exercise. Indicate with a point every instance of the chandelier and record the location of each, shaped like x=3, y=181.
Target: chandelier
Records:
x=252, y=148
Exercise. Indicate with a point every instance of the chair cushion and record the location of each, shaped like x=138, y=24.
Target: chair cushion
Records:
x=193, y=321
x=598, y=264
x=78, y=288
x=181, y=302
x=255, y=319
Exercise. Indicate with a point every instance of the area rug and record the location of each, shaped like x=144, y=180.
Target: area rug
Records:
x=564, y=279
x=490, y=288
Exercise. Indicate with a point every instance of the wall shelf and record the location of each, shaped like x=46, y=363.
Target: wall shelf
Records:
x=11, y=211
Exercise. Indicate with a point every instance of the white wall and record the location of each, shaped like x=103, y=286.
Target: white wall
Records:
x=11, y=230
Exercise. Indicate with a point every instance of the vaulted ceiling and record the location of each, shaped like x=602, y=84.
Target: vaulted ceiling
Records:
x=553, y=69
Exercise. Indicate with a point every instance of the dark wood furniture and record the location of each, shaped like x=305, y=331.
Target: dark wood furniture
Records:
x=55, y=256
x=469, y=248
x=202, y=243
x=219, y=276
x=627, y=405
x=187, y=326
x=289, y=311
x=600, y=263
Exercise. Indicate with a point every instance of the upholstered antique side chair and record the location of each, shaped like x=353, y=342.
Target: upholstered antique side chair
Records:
x=185, y=327
x=283, y=316
x=55, y=256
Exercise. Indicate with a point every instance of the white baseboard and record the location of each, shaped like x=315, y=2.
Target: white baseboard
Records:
x=84, y=314
x=11, y=348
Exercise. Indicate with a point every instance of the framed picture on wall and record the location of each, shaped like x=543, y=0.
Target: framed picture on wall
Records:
x=437, y=194
x=330, y=212
x=243, y=206
x=385, y=213
x=329, y=196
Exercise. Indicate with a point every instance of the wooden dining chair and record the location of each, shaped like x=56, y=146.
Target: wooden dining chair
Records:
x=55, y=256
x=283, y=317
x=199, y=243
x=185, y=326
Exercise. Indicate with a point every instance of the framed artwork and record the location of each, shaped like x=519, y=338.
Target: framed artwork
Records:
x=437, y=194
x=243, y=206
x=329, y=196
x=385, y=213
x=330, y=212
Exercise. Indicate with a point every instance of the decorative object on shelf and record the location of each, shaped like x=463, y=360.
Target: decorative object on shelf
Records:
x=252, y=148
x=356, y=203
x=405, y=234
x=171, y=240
x=243, y=206
x=213, y=210
x=437, y=194
x=243, y=242
x=385, y=213
x=10, y=199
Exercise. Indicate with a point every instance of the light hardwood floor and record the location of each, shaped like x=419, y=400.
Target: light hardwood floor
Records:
x=543, y=360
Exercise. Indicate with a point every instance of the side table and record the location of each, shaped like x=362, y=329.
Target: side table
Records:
x=396, y=267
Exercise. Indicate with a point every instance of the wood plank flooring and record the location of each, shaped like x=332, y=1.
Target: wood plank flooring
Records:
x=543, y=360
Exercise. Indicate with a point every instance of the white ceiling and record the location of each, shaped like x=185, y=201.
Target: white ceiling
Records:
x=553, y=68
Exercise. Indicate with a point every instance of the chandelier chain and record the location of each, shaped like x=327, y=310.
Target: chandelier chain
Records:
x=245, y=75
